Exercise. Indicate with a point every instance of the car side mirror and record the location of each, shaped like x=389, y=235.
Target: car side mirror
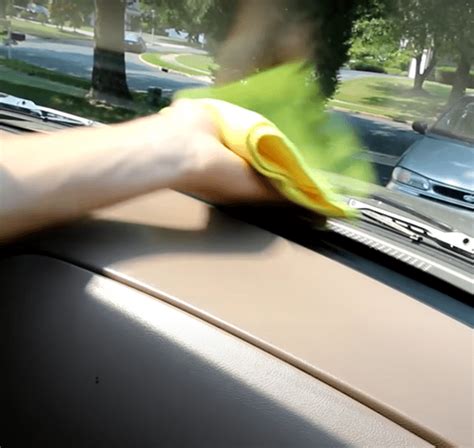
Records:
x=420, y=127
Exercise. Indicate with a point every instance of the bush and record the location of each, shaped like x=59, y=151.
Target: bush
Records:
x=366, y=67
x=446, y=75
x=401, y=61
x=42, y=18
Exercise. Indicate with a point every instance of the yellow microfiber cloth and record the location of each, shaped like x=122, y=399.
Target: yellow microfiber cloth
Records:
x=282, y=130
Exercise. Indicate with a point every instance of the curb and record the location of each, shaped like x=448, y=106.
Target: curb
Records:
x=175, y=72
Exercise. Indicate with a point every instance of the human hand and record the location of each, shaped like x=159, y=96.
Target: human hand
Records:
x=213, y=172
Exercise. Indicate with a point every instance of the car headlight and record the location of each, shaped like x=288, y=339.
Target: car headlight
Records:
x=408, y=177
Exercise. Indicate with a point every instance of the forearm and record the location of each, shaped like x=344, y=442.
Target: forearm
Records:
x=51, y=178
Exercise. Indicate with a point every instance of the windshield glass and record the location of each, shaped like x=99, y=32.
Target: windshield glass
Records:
x=363, y=72
x=458, y=122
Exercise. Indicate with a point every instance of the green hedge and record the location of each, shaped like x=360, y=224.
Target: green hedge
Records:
x=366, y=67
x=446, y=75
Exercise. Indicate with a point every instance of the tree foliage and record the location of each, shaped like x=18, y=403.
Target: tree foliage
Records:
x=196, y=17
x=421, y=27
x=459, y=42
x=332, y=23
x=72, y=12
x=4, y=5
x=374, y=41
x=190, y=16
x=446, y=29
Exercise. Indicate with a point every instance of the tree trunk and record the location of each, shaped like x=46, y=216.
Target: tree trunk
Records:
x=461, y=79
x=420, y=78
x=109, y=78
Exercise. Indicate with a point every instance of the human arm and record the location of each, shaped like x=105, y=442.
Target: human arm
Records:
x=50, y=178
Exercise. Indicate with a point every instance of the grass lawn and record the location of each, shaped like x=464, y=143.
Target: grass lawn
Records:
x=198, y=62
x=66, y=93
x=157, y=59
x=46, y=32
x=68, y=103
x=392, y=98
x=38, y=72
x=22, y=79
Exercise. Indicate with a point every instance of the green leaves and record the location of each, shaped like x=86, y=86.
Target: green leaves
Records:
x=63, y=11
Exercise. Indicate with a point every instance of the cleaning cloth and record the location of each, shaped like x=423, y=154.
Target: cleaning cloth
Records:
x=282, y=129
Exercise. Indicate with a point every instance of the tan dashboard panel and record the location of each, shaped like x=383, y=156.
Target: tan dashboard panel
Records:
x=334, y=322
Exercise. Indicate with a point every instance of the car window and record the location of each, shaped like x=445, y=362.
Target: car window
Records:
x=458, y=122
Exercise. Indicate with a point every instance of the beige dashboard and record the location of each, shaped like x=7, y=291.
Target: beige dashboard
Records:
x=389, y=351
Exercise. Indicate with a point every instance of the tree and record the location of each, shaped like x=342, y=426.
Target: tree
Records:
x=332, y=27
x=270, y=32
x=109, y=78
x=253, y=35
x=195, y=17
x=459, y=18
x=6, y=8
x=374, y=41
x=421, y=24
x=63, y=11
x=190, y=16
x=59, y=12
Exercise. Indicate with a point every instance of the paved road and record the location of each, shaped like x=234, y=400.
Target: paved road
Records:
x=348, y=75
x=384, y=141
x=76, y=58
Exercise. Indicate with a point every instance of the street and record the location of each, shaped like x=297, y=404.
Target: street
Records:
x=384, y=140
x=76, y=58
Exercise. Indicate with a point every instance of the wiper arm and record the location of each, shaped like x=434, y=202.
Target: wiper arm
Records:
x=412, y=212
x=415, y=230
x=27, y=107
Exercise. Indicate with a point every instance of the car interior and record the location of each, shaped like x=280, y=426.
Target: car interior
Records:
x=169, y=320
x=297, y=349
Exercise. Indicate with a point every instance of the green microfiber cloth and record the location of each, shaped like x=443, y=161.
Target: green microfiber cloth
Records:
x=321, y=145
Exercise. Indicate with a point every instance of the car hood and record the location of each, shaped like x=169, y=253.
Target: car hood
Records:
x=397, y=202
x=443, y=160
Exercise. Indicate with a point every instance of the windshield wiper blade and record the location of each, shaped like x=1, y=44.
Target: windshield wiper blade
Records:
x=27, y=107
x=417, y=231
x=405, y=208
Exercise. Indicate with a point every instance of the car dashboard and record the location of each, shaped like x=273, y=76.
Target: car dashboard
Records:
x=165, y=321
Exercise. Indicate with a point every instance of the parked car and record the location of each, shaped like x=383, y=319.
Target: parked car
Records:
x=134, y=43
x=36, y=12
x=440, y=165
